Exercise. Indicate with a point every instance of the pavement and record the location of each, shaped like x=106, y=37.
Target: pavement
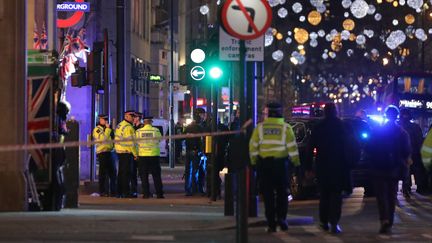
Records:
x=178, y=218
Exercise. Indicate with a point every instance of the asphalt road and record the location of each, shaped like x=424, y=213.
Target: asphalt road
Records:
x=196, y=219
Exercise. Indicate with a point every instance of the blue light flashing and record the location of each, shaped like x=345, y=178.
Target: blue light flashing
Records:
x=364, y=135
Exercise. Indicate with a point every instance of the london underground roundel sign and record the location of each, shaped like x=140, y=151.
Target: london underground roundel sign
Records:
x=75, y=17
x=246, y=19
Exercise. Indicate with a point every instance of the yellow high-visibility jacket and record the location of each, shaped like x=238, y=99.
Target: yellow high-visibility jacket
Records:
x=148, y=147
x=426, y=151
x=273, y=138
x=125, y=130
x=102, y=134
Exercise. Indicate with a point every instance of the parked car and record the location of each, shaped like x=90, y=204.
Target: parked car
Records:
x=163, y=126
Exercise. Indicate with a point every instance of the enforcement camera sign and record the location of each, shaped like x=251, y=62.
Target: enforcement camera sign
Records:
x=229, y=48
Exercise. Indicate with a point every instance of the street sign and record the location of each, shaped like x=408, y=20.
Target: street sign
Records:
x=197, y=73
x=246, y=19
x=229, y=48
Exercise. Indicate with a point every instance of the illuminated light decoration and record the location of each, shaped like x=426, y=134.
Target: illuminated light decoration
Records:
x=430, y=31
x=402, y=2
x=302, y=52
x=316, y=3
x=273, y=3
x=282, y=2
x=204, y=9
x=395, y=39
x=314, y=18
x=359, y=8
x=282, y=12
x=279, y=36
x=395, y=22
x=346, y=14
x=371, y=9
x=385, y=61
x=352, y=37
x=348, y=24
x=302, y=18
x=313, y=43
x=420, y=34
x=361, y=40
x=415, y=4
x=277, y=55
x=379, y=1
x=321, y=33
x=72, y=20
x=313, y=35
x=409, y=19
x=288, y=40
x=324, y=56
x=404, y=52
x=368, y=33
x=301, y=35
x=350, y=52
x=395, y=4
x=300, y=47
x=336, y=44
x=294, y=60
x=297, y=7
x=378, y=17
x=332, y=55
x=389, y=1
x=268, y=40
x=274, y=31
x=346, y=3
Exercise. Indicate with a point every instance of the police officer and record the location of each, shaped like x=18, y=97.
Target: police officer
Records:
x=194, y=148
x=271, y=147
x=426, y=153
x=416, y=137
x=148, y=157
x=389, y=149
x=137, y=123
x=126, y=153
x=103, y=133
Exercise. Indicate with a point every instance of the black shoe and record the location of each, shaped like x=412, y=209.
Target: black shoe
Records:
x=406, y=195
x=385, y=228
x=324, y=226
x=283, y=225
x=271, y=229
x=146, y=196
x=160, y=196
x=188, y=194
x=335, y=229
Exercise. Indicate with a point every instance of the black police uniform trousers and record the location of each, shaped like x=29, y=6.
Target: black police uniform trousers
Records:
x=193, y=177
x=386, y=192
x=134, y=177
x=150, y=165
x=124, y=174
x=107, y=171
x=273, y=178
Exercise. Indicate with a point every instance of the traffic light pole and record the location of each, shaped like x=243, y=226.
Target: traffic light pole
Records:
x=214, y=171
x=242, y=205
x=171, y=90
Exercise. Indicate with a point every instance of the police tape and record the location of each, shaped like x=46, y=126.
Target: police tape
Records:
x=24, y=147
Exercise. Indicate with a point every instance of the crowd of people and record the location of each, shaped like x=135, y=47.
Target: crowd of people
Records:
x=395, y=150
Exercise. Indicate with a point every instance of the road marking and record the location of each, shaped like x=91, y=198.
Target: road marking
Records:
x=427, y=236
x=153, y=237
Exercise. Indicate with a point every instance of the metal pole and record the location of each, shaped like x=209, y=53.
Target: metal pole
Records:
x=171, y=89
x=242, y=196
x=214, y=172
x=121, y=59
x=251, y=101
x=106, y=108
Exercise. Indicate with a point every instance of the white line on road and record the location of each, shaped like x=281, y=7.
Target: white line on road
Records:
x=427, y=236
x=153, y=237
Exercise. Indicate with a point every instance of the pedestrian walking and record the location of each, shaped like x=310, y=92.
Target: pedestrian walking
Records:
x=194, y=152
x=107, y=171
x=148, y=158
x=389, y=150
x=416, y=168
x=126, y=153
x=271, y=148
x=332, y=142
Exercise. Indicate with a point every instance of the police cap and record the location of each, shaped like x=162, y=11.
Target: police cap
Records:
x=391, y=112
x=148, y=118
x=103, y=116
x=130, y=112
x=274, y=106
x=139, y=114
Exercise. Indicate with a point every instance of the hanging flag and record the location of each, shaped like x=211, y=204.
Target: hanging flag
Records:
x=36, y=39
x=43, y=38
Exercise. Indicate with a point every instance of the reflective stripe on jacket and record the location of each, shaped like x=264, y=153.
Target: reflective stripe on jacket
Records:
x=101, y=134
x=148, y=147
x=125, y=130
x=273, y=138
x=426, y=151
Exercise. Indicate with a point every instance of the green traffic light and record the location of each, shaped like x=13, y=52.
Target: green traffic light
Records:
x=216, y=72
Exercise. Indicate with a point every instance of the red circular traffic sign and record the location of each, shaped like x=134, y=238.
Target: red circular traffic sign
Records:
x=246, y=19
x=72, y=20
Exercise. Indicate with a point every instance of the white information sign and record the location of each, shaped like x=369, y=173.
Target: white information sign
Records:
x=229, y=48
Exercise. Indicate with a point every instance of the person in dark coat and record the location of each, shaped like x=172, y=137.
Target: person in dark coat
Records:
x=329, y=138
x=417, y=168
x=194, y=150
x=389, y=150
